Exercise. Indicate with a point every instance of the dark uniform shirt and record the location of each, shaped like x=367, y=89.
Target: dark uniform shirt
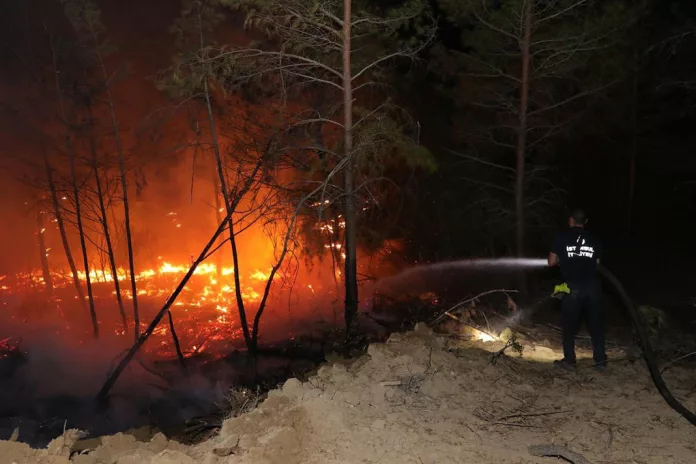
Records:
x=578, y=252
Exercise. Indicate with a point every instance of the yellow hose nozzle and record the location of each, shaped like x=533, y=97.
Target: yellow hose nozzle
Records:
x=560, y=290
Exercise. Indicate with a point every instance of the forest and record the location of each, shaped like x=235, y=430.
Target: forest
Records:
x=229, y=157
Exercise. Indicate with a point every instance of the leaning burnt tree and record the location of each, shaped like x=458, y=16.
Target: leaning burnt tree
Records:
x=259, y=144
x=523, y=67
x=85, y=17
x=248, y=139
x=332, y=48
x=193, y=28
x=247, y=179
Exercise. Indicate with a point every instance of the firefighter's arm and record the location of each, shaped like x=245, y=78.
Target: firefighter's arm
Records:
x=552, y=259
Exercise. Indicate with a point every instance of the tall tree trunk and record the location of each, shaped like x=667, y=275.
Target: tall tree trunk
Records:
x=76, y=193
x=351, y=269
x=83, y=243
x=129, y=238
x=521, y=149
x=124, y=184
x=63, y=234
x=218, y=219
x=105, y=228
x=228, y=206
x=43, y=252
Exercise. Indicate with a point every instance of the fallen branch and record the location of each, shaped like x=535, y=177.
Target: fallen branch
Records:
x=531, y=414
x=556, y=451
x=179, y=354
x=512, y=343
x=469, y=300
x=674, y=361
x=391, y=383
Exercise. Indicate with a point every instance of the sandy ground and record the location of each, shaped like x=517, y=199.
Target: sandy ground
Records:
x=427, y=399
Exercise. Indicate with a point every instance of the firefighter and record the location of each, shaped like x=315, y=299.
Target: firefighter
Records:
x=578, y=252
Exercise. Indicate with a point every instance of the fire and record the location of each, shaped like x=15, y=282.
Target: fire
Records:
x=205, y=313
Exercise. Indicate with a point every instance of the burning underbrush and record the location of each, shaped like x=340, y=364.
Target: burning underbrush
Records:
x=205, y=313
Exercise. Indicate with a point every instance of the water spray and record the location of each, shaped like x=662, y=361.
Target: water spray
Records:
x=474, y=263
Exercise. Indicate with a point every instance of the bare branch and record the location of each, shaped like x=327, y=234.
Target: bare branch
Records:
x=401, y=53
x=479, y=160
x=562, y=12
x=256, y=52
x=497, y=29
x=487, y=184
x=571, y=99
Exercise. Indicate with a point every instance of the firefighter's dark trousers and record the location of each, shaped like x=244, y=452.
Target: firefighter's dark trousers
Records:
x=583, y=303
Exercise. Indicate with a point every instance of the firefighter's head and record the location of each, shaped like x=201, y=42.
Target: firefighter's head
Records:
x=578, y=218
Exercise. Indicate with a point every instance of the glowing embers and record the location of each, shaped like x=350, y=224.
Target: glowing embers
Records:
x=152, y=282
x=205, y=312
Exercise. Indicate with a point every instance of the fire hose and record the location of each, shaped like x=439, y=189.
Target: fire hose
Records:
x=648, y=352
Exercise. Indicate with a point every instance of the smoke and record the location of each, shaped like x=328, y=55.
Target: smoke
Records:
x=54, y=381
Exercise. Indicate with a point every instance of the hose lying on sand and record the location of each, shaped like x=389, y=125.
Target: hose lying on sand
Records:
x=648, y=352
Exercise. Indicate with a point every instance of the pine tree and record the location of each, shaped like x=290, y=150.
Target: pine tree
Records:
x=527, y=69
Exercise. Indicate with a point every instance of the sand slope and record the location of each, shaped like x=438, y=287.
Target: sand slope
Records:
x=423, y=399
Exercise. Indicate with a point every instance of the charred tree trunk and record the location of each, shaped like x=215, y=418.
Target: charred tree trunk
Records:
x=521, y=147
x=251, y=345
x=63, y=234
x=76, y=193
x=83, y=243
x=226, y=198
x=351, y=269
x=105, y=228
x=124, y=184
x=218, y=218
x=129, y=240
x=177, y=345
x=43, y=252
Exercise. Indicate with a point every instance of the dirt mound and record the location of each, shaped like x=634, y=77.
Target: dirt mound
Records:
x=424, y=399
